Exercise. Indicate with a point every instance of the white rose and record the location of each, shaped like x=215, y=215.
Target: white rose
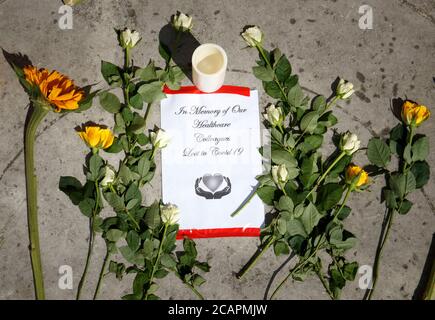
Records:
x=170, y=213
x=109, y=177
x=274, y=115
x=349, y=143
x=344, y=89
x=280, y=175
x=253, y=36
x=159, y=138
x=182, y=22
x=129, y=38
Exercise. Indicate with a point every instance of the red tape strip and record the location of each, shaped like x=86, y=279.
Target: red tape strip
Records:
x=244, y=91
x=218, y=233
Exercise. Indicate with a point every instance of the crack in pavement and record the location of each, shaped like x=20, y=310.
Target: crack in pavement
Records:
x=419, y=11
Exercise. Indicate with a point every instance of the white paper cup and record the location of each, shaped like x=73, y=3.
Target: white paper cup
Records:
x=209, y=63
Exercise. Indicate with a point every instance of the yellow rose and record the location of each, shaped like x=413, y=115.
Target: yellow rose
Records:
x=97, y=137
x=414, y=113
x=352, y=171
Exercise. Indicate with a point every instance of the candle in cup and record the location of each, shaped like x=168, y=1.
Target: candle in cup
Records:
x=209, y=63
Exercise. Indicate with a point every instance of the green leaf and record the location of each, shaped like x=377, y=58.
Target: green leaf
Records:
x=110, y=73
x=295, y=96
x=136, y=101
x=329, y=195
x=114, y=201
x=280, y=156
x=398, y=132
x=405, y=207
x=263, y=73
x=148, y=73
x=133, y=193
x=378, y=152
x=283, y=69
x=131, y=256
x=310, y=218
x=132, y=203
x=350, y=270
x=110, y=102
x=319, y=104
x=133, y=240
x=407, y=154
x=168, y=261
x=344, y=213
x=137, y=124
x=124, y=174
x=420, y=149
x=197, y=280
x=390, y=199
x=267, y=194
x=311, y=142
x=87, y=206
x=116, y=146
x=402, y=184
x=143, y=166
x=421, y=172
x=280, y=247
x=114, y=235
x=151, y=92
x=295, y=227
x=152, y=216
x=190, y=247
x=95, y=164
x=119, y=124
x=309, y=121
x=272, y=89
x=285, y=204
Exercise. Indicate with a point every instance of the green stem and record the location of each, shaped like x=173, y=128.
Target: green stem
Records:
x=378, y=256
x=126, y=81
x=260, y=49
x=88, y=257
x=316, y=248
x=137, y=227
x=196, y=292
x=101, y=276
x=385, y=233
x=147, y=112
x=255, y=258
x=91, y=241
x=245, y=203
x=157, y=261
x=38, y=113
x=319, y=181
x=325, y=284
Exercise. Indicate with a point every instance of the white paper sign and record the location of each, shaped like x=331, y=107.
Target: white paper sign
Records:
x=210, y=165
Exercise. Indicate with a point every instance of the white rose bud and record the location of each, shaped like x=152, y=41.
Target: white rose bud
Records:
x=280, y=175
x=129, y=38
x=170, y=213
x=182, y=22
x=274, y=115
x=109, y=177
x=159, y=138
x=349, y=143
x=344, y=89
x=253, y=36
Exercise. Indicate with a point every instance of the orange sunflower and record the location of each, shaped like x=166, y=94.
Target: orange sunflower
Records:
x=57, y=89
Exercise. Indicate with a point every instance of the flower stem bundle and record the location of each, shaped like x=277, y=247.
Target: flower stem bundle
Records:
x=412, y=173
x=308, y=195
